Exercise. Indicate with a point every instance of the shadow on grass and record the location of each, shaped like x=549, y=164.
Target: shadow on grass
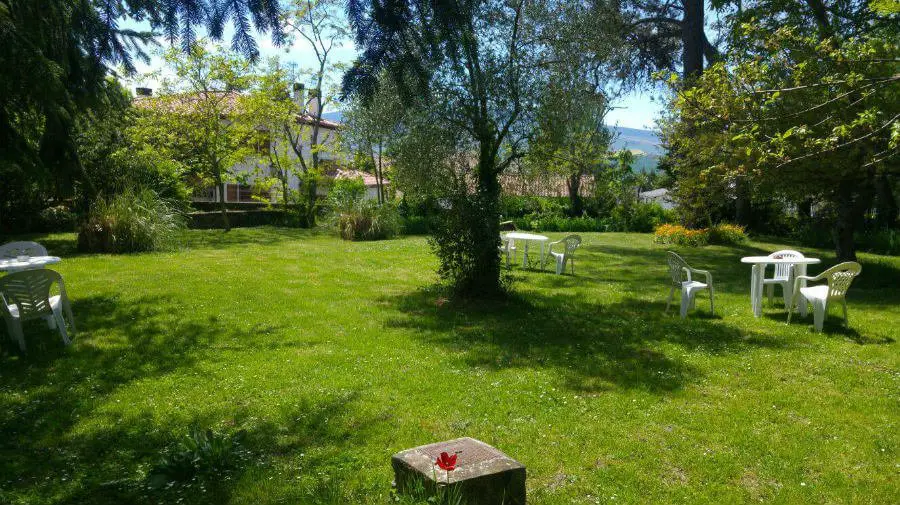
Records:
x=593, y=347
x=262, y=235
x=61, y=443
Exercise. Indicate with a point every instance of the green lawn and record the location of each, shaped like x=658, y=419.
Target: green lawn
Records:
x=334, y=355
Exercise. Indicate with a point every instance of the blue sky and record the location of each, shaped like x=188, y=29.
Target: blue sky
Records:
x=635, y=110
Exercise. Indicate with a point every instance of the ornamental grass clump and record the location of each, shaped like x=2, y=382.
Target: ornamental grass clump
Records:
x=359, y=219
x=132, y=221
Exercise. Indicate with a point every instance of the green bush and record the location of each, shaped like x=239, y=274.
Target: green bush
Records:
x=58, y=218
x=417, y=225
x=881, y=241
x=132, y=221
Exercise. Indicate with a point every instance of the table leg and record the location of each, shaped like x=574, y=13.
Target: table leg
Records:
x=525, y=255
x=801, y=301
x=755, y=291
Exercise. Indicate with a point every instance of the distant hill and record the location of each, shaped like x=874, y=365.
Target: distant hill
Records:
x=638, y=141
x=644, y=141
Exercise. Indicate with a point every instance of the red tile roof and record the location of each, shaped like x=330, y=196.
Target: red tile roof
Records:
x=177, y=102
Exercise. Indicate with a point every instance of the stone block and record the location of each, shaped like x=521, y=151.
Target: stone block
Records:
x=484, y=474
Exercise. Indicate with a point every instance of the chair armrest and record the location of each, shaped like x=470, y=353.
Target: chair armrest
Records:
x=551, y=244
x=704, y=273
x=807, y=278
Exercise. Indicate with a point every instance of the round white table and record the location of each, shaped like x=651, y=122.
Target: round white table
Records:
x=528, y=237
x=757, y=274
x=32, y=263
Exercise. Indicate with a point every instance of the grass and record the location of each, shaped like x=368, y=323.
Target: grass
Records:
x=329, y=356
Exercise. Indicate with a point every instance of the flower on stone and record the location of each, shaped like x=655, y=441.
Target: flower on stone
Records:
x=446, y=462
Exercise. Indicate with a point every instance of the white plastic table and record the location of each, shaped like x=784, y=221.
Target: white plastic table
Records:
x=32, y=263
x=528, y=237
x=757, y=274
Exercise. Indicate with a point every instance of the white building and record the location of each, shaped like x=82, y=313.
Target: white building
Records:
x=660, y=196
x=337, y=162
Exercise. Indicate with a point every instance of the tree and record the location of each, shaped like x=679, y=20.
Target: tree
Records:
x=799, y=114
x=474, y=64
x=321, y=24
x=68, y=49
x=200, y=119
x=572, y=139
x=275, y=113
x=370, y=127
x=663, y=33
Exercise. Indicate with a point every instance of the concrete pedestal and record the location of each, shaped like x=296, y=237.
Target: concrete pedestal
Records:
x=484, y=475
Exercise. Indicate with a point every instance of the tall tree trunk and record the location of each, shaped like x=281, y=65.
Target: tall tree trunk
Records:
x=692, y=38
x=576, y=205
x=742, y=203
x=854, y=198
x=311, y=202
x=223, y=208
x=804, y=210
x=485, y=276
x=885, y=202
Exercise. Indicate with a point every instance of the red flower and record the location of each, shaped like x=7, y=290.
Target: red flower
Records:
x=446, y=462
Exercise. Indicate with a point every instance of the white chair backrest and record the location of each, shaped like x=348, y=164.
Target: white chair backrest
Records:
x=840, y=277
x=572, y=242
x=29, y=291
x=783, y=270
x=677, y=267
x=14, y=249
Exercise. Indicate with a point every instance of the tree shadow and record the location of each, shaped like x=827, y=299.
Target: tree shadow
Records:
x=592, y=347
x=57, y=446
x=237, y=237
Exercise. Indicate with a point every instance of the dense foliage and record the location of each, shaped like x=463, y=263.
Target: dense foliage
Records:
x=57, y=57
x=802, y=110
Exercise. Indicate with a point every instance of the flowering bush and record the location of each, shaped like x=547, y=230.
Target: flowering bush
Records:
x=679, y=235
x=719, y=234
x=727, y=234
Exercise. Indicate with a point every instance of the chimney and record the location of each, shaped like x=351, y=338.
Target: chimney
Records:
x=313, y=104
x=143, y=91
x=298, y=94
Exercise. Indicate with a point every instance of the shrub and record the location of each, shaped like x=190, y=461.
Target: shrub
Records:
x=727, y=234
x=345, y=194
x=131, y=221
x=417, y=225
x=58, y=218
x=368, y=221
x=357, y=218
x=881, y=241
x=679, y=235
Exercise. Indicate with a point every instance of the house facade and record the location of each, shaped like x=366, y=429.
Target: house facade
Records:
x=250, y=178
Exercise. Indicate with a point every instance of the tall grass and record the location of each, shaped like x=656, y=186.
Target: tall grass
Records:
x=131, y=221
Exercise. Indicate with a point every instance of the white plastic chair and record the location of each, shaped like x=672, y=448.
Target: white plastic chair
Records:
x=26, y=295
x=13, y=250
x=839, y=278
x=680, y=273
x=571, y=243
x=783, y=276
x=507, y=248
